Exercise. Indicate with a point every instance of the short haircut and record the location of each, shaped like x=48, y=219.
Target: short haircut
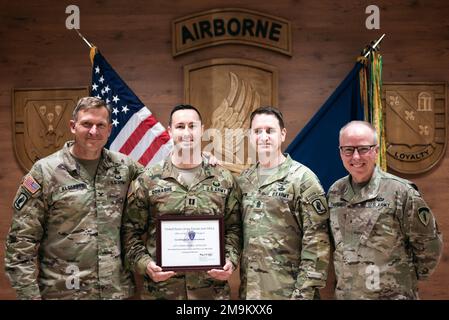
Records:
x=362, y=123
x=183, y=107
x=268, y=110
x=87, y=103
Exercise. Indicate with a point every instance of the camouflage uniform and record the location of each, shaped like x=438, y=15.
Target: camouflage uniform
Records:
x=157, y=192
x=76, y=224
x=386, y=238
x=285, y=231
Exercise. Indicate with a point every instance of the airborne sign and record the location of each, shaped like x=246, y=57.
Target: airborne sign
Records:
x=222, y=26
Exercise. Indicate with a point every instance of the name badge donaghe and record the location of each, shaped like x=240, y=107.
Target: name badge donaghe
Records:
x=158, y=191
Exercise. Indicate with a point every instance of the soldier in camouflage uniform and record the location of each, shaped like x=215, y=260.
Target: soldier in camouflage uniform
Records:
x=184, y=184
x=386, y=238
x=64, y=240
x=285, y=219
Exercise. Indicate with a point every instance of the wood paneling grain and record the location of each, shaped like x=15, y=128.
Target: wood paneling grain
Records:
x=36, y=50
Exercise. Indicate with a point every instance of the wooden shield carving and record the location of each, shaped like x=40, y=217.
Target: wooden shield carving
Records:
x=41, y=121
x=226, y=91
x=416, y=131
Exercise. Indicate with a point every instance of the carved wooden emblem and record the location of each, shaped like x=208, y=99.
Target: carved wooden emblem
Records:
x=416, y=131
x=41, y=121
x=226, y=91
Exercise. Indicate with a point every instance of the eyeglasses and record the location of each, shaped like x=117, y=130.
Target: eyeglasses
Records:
x=349, y=150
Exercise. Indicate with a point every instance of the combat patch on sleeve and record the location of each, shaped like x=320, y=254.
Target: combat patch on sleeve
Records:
x=319, y=207
x=21, y=200
x=30, y=184
x=424, y=215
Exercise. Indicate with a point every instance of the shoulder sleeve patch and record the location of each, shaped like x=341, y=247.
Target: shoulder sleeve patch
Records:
x=20, y=201
x=319, y=206
x=424, y=215
x=30, y=185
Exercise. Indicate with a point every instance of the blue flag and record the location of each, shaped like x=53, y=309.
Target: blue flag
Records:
x=316, y=146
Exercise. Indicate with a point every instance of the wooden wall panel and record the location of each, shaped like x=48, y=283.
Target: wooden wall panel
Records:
x=36, y=50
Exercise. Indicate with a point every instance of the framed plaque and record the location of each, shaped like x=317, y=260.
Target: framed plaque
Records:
x=190, y=243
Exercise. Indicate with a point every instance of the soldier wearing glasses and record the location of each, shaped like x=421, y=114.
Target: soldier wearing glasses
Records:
x=385, y=235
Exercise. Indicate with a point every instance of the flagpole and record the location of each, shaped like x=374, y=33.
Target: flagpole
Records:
x=85, y=40
x=371, y=48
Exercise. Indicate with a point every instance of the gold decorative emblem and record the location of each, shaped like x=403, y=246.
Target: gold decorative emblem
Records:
x=41, y=121
x=226, y=91
x=415, y=125
x=233, y=113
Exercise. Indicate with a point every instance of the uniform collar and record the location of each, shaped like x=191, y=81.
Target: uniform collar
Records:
x=368, y=192
x=73, y=166
x=280, y=174
x=169, y=170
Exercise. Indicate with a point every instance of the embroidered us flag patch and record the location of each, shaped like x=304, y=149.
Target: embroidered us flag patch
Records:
x=30, y=184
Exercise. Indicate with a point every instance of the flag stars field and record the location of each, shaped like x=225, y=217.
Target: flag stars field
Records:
x=135, y=131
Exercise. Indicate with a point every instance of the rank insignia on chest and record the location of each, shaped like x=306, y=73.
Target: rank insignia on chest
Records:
x=258, y=205
x=117, y=174
x=191, y=202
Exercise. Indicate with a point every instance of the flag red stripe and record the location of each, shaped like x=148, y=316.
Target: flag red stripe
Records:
x=157, y=143
x=138, y=133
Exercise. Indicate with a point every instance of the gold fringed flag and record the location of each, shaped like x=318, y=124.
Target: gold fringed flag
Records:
x=371, y=96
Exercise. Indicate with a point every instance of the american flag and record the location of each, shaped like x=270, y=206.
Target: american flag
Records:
x=135, y=130
x=30, y=184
